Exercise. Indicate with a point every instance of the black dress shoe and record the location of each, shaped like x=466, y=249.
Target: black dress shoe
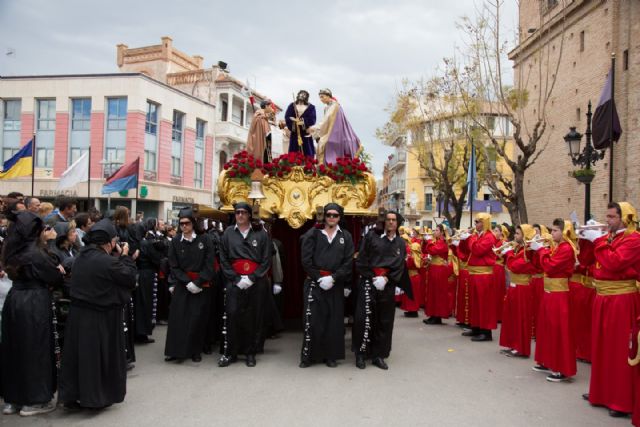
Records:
x=304, y=364
x=251, y=360
x=433, y=321
x=196, y=358
x=143, y=339
x=470, y=333
x=482, y=337
x=331, y=363
x=226, y=361
x=617, y=414
x=410, y=314
x=379, y=362
x=170, y=359
x=585, y=396
x=72, y=406
x=207, y=349
x=360, y=363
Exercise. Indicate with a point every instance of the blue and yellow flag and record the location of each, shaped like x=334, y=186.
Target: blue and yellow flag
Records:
x=21, y=164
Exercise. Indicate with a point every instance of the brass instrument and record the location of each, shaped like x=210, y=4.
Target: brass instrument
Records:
x=545, y=240
x=597, y=226
x=511, y=244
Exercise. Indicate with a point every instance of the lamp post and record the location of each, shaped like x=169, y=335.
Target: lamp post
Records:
x=585, y=159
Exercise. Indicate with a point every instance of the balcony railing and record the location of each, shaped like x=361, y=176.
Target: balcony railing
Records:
x=398, y=159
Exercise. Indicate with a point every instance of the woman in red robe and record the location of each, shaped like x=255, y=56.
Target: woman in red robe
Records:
x=515, y=333
x=437, y=303
x=555, y=347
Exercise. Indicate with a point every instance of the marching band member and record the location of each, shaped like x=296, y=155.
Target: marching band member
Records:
x=555, y=347
x=414, y=263
x=502, y=236
x=437, y=304
x=463, y=294
x=481, y=279
x=615, y=309
x=515, y=333
x=581, y=296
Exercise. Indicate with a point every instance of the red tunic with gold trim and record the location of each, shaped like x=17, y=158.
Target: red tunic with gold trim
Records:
x=414, y=262
x=481, y=279
x=500, y=281
x=517, y=313
x=616, y=307
x=555, y=346
x=634, y=362
x=463, y=295
x=581, y=295
x=437, y=301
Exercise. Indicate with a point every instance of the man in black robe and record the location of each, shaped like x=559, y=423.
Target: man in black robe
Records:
x=191, y=259
x=94, y=364
x=381, y=265
x=245, y=257
x=327, y=257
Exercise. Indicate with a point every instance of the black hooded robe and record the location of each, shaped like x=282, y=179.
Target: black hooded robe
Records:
x=94, y=361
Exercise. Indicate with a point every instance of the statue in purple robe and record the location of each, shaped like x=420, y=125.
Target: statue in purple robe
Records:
x=336, y=138
x=299, y=117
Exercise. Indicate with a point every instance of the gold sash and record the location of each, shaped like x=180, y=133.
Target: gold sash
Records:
x=577, y=278
x=480, y=269
x=556, y=284
x=436, y=260
x=615, y=287
x=520, y=279
x=413, y=273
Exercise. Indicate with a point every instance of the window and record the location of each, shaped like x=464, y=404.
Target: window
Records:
x=81, y=114
x=76, y=153
x=491, y=123
x=176, y=143
x=11, y=116
x=578, y=115
x=117, y=113
x=507, y=126
x=224, y=108
x=115, y=159
x=46, y=114
x=149, y=161
x=486, y=196
x=151, y=123
x=44, y=157
x=582, y=41
x=492, y=158
x=8, y=153
x=428, y=202
x=625, y=60
x=198, y=170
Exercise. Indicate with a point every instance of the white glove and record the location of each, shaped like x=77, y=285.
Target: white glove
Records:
x=456, y=243
x=193, y=288
x=379, y=282
x=347, y=292
x=536, y=245
x=326, y=282
x=506, y=250
x=244, y=282
x=464, y=236
x=277, y=288
x=427, y=237
x=171, y=289
x=399, y=291
x=591, y=235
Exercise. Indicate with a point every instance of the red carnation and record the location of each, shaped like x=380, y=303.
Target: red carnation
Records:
x=243, y=170
x=258, y=163
x=226, y=166
x=287, y=168
x=323, y=168
x=362, y=167
x=291, y=157
x=232, y=174
x=280, y=174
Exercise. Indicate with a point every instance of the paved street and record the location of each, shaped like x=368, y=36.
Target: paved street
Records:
x=436, y=377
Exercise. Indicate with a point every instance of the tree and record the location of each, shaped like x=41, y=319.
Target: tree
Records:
x=480, y=75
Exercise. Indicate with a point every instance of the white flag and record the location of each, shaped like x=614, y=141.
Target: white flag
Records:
x=77, y=172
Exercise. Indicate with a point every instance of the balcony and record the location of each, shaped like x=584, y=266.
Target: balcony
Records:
x=398, y=160
x=489, y=206
x=231, y=131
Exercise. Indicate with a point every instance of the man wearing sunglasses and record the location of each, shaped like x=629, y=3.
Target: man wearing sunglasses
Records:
x=191, y=258
x=245, y=257
x=327, y=256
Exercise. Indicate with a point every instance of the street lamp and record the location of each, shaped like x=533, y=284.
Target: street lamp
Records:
x=585, y=159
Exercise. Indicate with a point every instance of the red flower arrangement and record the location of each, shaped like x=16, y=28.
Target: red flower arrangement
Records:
x=284, y=164
x=344, y=169
x=241, y=166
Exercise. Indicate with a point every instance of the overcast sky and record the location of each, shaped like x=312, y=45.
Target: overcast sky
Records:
x=360, y=49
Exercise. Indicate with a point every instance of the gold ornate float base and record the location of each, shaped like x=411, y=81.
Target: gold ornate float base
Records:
x=296, y=197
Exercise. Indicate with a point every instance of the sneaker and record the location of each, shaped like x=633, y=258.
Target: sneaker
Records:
x=10, y=409
x=540, y=368
x=506, y=351
x=44, y=408
x=557, y=377
x=515, y=353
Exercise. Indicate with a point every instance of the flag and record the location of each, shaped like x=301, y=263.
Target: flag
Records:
x=472, y=177
x=606, y=123
x=77, y=172
x=21, y=164
x=124, y=178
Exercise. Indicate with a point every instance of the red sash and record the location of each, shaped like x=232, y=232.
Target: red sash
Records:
x=378, y=271
x=194, y=276
x=325, y=273
x=244, y=266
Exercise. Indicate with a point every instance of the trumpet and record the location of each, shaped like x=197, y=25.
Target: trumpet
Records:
x=512, y=244
x=546, y=241
x=456, y=236
x=595, y=226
